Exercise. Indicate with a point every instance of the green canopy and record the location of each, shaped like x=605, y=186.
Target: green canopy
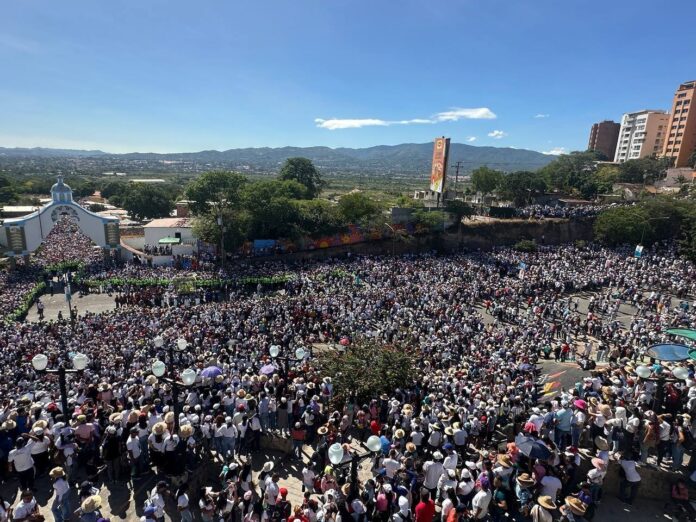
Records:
x=682, y=332
x=170, y=241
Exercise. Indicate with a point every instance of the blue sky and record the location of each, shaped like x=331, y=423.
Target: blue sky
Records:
x=173, y=75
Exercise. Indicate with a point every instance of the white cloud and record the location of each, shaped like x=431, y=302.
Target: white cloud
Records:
x=334, y=123
x=457, y=113
x=556, y=151
x=539, y=116
x=497, y=134
x=471, y=139
x=454, y=114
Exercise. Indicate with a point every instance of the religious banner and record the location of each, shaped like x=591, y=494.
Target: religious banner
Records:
x=439, y=167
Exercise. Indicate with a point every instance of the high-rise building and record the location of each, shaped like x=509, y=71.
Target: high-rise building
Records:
x=681, y=140
x=642, y=134
x=603, y=137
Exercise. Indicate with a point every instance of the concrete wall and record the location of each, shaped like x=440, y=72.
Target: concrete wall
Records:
x=473, y=237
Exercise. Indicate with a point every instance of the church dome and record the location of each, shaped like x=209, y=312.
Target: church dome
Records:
x=60, y=192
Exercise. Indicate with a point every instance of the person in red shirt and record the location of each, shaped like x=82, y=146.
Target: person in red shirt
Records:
x=425, y=509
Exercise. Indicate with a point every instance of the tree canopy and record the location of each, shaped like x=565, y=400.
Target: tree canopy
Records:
x=367, y=369
x=146, y=201
x=303, y=171
x=215, y=189
x=485, y=179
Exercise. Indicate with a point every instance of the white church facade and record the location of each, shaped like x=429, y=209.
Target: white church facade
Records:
x=22, y=236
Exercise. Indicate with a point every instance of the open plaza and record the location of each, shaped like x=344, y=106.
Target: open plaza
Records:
x=555, y=384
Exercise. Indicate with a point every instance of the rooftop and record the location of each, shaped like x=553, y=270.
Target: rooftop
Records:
x=174, y=222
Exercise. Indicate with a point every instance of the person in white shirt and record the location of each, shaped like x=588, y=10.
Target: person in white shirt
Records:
x=480, y=502
x=134, y=452
x=308, y=477
x=451, y=457
x=61, y=500
x=26, y=507
x=433, y=470
x=23, y=463
x=272, y=489
x=157, y=499
x=630, y=481
x=551, y=485
x=391, y=464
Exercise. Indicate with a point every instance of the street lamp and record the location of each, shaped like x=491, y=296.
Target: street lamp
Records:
x=274, y=352
x=79, y=362
x=159, y=369
x=393, y=235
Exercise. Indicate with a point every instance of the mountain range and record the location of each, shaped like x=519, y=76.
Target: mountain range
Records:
x=404, y=158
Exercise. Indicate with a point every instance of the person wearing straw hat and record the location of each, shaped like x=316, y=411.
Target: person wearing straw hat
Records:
x=89, y=509
x=573, y=510
x=61, y=499
x=523, y=492
x=543, y=509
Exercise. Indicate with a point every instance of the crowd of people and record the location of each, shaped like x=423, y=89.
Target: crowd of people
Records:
x=470, y=437
x=538, y=211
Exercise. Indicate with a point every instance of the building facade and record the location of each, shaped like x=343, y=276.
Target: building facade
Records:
x=603, y=138
x=681, y=140
x=642, y=134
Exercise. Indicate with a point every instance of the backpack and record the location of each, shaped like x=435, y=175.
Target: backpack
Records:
x=407, y=518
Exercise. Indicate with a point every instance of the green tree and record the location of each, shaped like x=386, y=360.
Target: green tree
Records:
x=433, y=219
x=8, y=193
x=318, y=217
x=236, y=222
x=486, y=180
x=521, y=187
x=146, y=201
x=571, y=171
x=644, y=170
x=215, y=190
x=114, y=188
x=359, y=209
x=303, y=171
x=367, y=369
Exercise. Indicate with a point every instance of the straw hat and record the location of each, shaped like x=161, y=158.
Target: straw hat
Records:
x=525, y=480
x=399, y=434
x=133, y=416
x=601, y=443
x=57, y=472
x=91, y=504
x=268, y=466
x=40, y=424
x=449, y=431
x=323, y=430
x=151, y=379
x=81, y=418
x=186, y=431
x=456, y=425
x=169, y=417
x=576, y=506
x=504, y=461
x=241, y=394
x=159, y=428
x=410, y=447
x=546, y=502
x=605, y=410
x=116, y=416
x=8, y=425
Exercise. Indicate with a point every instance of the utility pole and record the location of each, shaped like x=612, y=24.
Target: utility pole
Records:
x=457, y=166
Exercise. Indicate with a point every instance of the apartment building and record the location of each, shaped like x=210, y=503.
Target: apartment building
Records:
x=681, y=140
x=642, y=134
x=603, y=138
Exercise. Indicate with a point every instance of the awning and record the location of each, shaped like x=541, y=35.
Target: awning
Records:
x=170, y=241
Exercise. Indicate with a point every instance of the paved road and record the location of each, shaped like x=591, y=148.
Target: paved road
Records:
x=94, y=303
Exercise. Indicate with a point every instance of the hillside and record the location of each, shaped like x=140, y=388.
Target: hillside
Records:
x=407, y=158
